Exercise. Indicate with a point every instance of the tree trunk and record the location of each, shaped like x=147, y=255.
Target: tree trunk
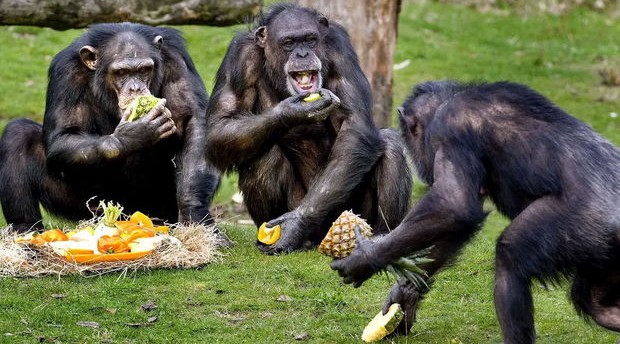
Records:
x=67, y=14
x=372, y=26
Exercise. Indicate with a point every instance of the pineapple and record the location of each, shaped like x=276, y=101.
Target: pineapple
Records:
x=341, y=240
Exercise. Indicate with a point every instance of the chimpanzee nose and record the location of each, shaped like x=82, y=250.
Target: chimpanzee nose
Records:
x=135, y=86
x=301, y=53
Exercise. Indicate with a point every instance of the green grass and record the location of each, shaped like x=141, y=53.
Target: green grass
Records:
x=236, y=300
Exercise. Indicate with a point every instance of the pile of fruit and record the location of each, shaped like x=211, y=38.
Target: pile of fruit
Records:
x=110, y=239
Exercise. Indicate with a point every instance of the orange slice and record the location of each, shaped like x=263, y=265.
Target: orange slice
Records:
x=98, y=258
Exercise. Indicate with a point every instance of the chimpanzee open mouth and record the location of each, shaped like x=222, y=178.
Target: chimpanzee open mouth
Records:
x=305, y=81
x=124, y=103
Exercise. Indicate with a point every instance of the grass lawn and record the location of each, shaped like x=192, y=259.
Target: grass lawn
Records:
x=252, y=298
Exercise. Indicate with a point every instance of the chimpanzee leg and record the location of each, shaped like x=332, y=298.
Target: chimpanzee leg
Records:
x=513, y=303
x=408, y=295
x=596, y=292
x=270, y=189
x=536, y=244
x=25, y=183
x=21, y=167
x=393, y=181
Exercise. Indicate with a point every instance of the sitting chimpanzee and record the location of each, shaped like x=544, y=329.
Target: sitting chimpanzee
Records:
x=301, y=163
x=556, y=179
x=87, y=147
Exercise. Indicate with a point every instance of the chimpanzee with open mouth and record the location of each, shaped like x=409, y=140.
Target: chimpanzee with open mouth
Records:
x=301, y=163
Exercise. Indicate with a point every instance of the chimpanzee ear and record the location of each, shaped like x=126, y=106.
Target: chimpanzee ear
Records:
x=158, y=41
x=89, y=56
x=323, y=21
x=260, y=35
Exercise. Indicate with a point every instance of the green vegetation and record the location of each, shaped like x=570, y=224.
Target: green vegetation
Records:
x=253, y=298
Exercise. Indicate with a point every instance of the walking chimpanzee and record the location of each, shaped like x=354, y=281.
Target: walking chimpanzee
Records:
x=551, y=174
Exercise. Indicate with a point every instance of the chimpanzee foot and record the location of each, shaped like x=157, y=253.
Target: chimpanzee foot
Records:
x=409, y=297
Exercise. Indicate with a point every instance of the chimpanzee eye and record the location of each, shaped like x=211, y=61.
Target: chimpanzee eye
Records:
x=121, y=72
x=310, y=41
x=287, y=45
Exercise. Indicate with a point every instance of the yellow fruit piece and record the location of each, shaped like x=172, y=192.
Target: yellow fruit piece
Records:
x=162, y=229
x=382, y=325
x=73, y=251
x=312, y=97
x=269, y=235
x=141, y=219
x=52, y=235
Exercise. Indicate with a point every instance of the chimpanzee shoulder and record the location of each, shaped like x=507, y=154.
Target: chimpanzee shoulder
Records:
x=240, y=63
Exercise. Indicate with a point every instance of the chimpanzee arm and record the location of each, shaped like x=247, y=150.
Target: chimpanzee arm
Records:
x=71, y=147
x=196, y=179
x=355, y=152
x=452, y=206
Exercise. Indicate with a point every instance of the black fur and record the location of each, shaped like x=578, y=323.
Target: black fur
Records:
x=67, y=160
x=301, y=164
x=551, y=174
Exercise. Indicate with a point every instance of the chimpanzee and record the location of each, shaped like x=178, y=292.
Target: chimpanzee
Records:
x=86, y=147
x=551, y=174
x=302, y=163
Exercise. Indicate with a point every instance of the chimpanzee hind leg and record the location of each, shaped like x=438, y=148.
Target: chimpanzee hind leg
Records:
x=408, y=295
x=21, y=168
x=596, y=292
x=539, y=243
x=393, y=180
x=270, y=189
x=25, y=183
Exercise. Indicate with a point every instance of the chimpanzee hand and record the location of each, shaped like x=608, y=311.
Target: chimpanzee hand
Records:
x=156, y=125
x=361, y=264
x=291, y=237
x=294, y=110
x=408, y=296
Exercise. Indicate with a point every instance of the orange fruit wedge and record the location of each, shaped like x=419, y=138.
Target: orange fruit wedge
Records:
x=141, y=219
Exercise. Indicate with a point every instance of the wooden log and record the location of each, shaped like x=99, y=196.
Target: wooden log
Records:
x=68, y=14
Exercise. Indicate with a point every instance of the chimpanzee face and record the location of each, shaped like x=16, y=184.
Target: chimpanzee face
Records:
x=126, y=64
x=293, y=44
x=415, y=115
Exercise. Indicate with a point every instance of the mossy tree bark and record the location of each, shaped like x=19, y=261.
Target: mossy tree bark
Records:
x=68, y=14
